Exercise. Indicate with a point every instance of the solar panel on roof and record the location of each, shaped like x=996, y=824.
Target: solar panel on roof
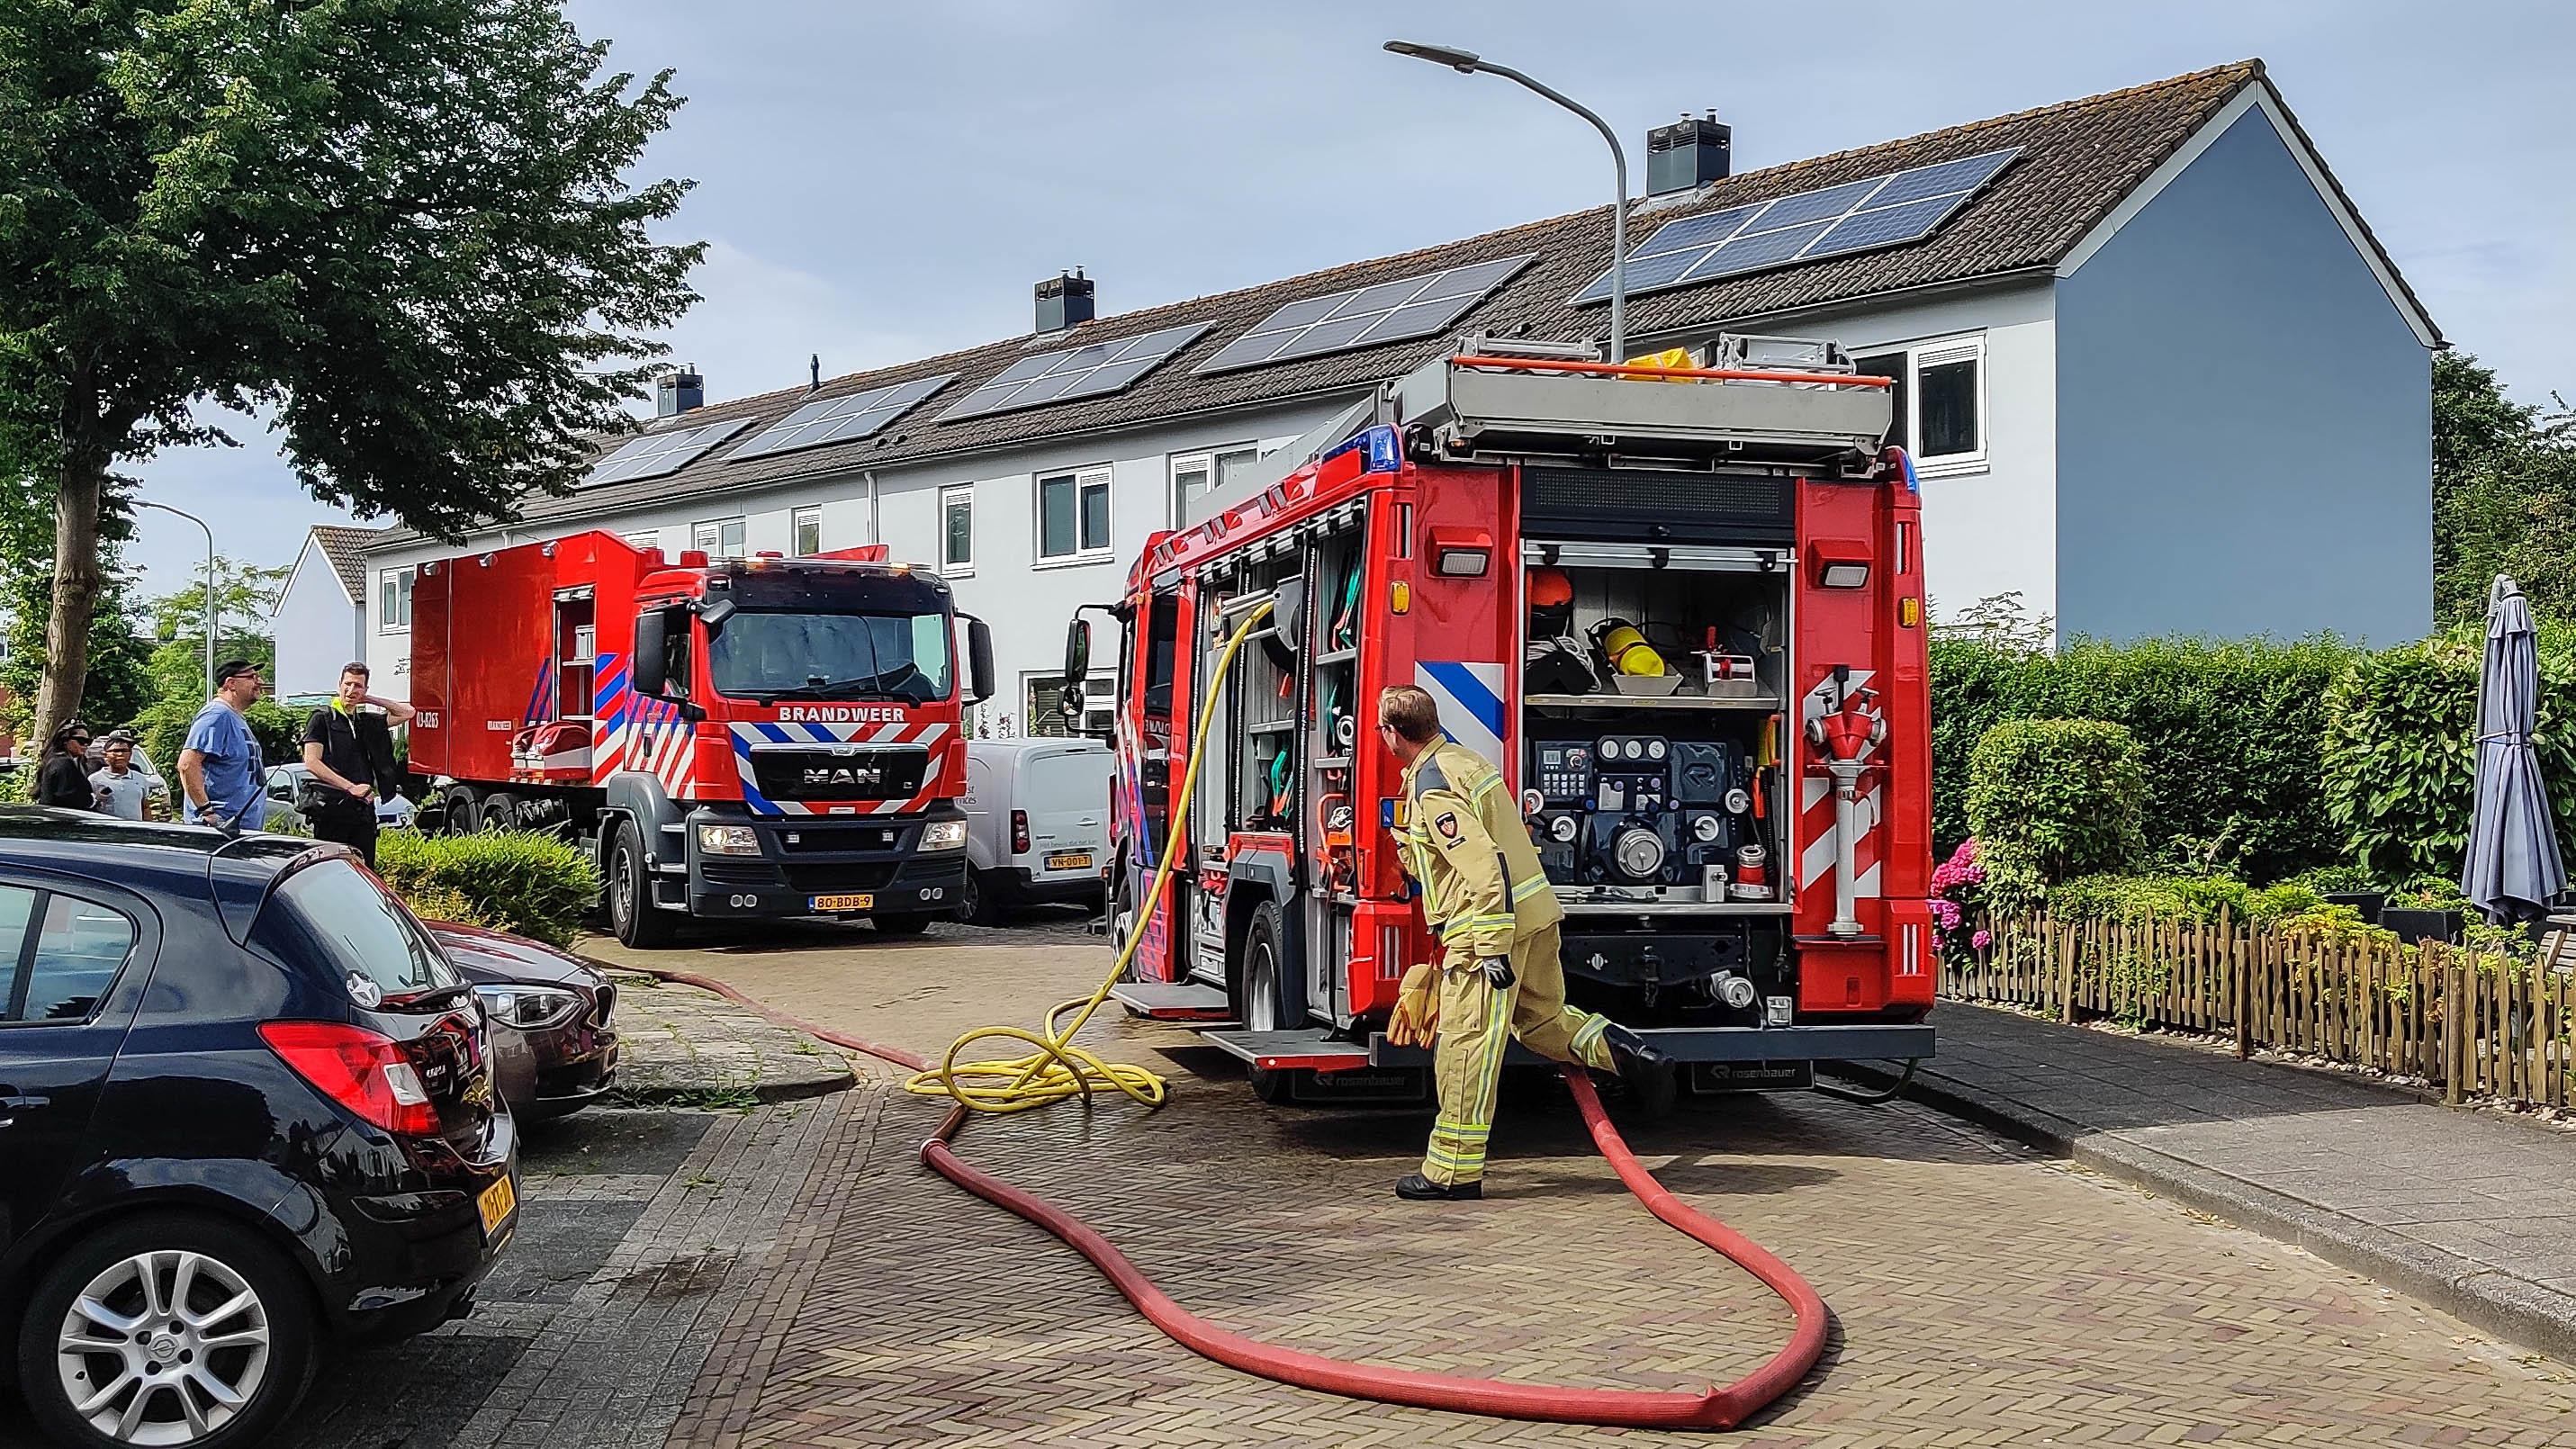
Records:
x=1086, y=371
x=655, y=454
x=1366, y=316
x=841, y=419
x=1831, y=221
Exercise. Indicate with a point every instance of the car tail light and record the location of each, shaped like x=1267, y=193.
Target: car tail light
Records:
x=359, y=1069
x=1019, y=832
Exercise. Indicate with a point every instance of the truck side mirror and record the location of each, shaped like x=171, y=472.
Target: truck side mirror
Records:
x=979, y=660
x=644, y=666
x=1077, y=653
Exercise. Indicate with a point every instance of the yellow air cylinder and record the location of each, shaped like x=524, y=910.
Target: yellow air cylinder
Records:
x=1629, y=653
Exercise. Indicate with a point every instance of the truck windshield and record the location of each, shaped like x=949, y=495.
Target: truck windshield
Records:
x=764, y=654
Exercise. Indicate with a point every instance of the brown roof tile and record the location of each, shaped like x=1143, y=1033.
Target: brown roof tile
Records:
x=2078, y=159
x=346, y=549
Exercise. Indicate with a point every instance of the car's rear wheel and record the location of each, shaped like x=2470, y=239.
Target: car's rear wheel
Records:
x=631, y=912
x=167, y=1330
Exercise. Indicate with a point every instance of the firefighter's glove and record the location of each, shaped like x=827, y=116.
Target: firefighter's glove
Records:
x=1417, y=1007
x=1498, y=971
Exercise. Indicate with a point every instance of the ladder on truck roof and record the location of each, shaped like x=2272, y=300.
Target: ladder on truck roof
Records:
x=1504, y=401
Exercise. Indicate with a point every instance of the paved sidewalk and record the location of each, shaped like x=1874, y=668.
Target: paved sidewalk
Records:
x=683, y=1046
x=2470, y=1212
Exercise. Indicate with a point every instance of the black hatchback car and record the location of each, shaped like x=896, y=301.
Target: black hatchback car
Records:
x=246, y=1109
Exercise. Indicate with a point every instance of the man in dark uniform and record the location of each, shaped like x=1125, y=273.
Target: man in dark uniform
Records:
x=348, y=747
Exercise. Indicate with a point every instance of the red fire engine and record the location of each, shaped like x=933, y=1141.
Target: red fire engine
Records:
x=1681, y=608
x=736, y=738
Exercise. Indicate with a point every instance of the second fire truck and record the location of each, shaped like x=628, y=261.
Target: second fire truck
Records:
x=1679, y=606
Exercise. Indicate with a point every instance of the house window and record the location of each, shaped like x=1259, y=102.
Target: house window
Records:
x=807, y=524
x=643, y=538
x=957, y=529
x=1073, y=515
x=393, y=601
x=1044, y=693
x=1195, y=475
x=1940, y=398
x=717, y=537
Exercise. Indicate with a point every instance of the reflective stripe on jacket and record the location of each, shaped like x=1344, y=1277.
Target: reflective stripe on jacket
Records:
x=1464, y=840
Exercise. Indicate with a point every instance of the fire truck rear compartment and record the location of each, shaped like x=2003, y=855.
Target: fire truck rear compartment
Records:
x=1650, y=704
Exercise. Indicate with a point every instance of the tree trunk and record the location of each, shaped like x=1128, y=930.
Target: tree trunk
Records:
x=76, y=580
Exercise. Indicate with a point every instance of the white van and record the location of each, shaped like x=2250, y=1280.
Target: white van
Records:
x=1037, y=823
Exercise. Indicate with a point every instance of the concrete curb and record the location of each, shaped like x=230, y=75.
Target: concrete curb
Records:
x=2476, y=1293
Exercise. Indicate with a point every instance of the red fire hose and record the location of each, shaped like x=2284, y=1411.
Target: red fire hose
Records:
x=1715, y=1408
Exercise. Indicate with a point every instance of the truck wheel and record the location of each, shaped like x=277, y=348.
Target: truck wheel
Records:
x=910, y=923
x=500, y=812
x=631, y=912
x=464, y=813
x=1270, y=1001
x=977, y=906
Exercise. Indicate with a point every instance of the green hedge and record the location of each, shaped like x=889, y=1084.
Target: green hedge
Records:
x=2399, y=756
x=2229, y=735
x=2051, y=799
x=530, y=884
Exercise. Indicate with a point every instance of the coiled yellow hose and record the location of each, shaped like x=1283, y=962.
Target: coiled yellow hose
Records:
x=1057, y=1069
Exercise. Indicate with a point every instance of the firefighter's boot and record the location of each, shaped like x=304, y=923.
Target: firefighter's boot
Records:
x=1414, y=1187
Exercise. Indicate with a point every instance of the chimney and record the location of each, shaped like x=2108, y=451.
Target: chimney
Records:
x=1691, y=152
x=678, y=392
x=1064, y=302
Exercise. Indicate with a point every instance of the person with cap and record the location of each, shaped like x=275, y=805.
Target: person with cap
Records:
x=1487, y=899
x=219, y=763
x=63, y=779
x=348, y=747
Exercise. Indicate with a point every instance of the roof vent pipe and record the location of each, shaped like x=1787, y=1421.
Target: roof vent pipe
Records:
x=1064, y=302
x=1689, y=153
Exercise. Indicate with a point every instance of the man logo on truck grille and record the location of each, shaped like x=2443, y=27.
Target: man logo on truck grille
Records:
x=844, y=775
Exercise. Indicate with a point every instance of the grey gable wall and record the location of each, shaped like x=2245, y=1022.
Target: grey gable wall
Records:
x=2244, y=419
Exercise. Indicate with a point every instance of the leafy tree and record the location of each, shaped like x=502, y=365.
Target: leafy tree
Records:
x=400, y=228
x=245, y=597
x=118, y=683
x=2504, y=493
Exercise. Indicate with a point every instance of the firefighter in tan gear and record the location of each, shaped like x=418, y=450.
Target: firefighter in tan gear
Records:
x=1487, y=900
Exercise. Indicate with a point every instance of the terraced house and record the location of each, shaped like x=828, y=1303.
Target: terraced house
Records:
x=2157, y=374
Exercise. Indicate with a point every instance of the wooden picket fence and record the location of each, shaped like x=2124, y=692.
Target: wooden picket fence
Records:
x=2363, y=1003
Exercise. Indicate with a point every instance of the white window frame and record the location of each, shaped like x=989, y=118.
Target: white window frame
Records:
x=1093, y=475
x=643, y=538
x=1099, y=699
x=950, y=497
x=398, y=619
x=1207, y=460
x=797, y=518
x=1934, y=352
x=707, y=536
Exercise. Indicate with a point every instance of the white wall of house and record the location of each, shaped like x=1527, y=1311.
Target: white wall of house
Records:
x=1024, y=598
x=315, y=625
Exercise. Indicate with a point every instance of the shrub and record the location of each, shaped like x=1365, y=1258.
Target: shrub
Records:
x=163, y=728
x=446, y=903
x=2399, y=755
x=532, y=884
x=2053, y=799
x=2228, y=732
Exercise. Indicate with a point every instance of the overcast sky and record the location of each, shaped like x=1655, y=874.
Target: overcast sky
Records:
x=885, y=181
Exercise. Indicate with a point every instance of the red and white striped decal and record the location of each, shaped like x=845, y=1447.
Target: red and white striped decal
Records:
x=1816, y=846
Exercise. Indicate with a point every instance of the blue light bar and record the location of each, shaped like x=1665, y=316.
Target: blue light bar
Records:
x=1385, y=450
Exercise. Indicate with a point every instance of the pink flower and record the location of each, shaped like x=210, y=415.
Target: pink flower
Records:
x=1982, y=940
x=1947, y=914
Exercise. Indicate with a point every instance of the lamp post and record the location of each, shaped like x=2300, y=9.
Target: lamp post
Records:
x=210, y=582
x=1467, y=62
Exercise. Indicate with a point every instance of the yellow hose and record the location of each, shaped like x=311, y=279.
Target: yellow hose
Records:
x=1057, y=1069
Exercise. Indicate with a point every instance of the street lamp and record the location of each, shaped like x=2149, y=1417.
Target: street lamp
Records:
x=210, y=582
x=1467, y=62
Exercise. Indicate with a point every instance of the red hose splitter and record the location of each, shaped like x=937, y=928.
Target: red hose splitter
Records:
x=1716, y=1408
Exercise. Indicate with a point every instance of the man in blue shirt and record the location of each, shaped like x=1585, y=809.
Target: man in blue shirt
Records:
x=219, y=765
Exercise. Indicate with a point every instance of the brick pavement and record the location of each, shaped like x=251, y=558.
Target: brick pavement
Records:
x=684, y=1046
x=2471, y=1211
x=1983, y=1293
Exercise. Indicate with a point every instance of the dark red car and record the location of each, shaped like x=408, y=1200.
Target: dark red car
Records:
x=551, y=1019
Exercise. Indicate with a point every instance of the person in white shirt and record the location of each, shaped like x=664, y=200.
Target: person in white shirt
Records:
x=126, y=792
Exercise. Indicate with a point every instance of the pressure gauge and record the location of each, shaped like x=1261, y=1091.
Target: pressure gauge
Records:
x=1704, y=828
x=1561, y=829
x=1532, y=802
x=1737, y=802
x=1654, y=749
